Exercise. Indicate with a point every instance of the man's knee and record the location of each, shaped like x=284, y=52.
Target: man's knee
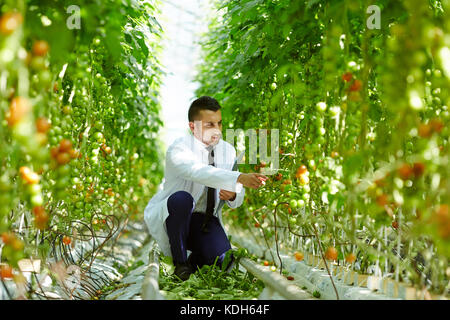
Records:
x=181, y=200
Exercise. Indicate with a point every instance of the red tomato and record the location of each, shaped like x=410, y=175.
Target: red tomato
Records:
x=106, y=149
x=382, y=200
x=356, y=85
x=18, y=109
x=350, y=258
x=418, y=169
x=66, y=240
x=331, y=254
x=42, y=125
x=425, y=130
x=6, y=271
x=41, y=219
x=40, y=48
x=65, y=145
x=28, y=175
x=436, y=125
x=405, y=171
x=63, y=158
x=347, y=77
x=54, y=152
x=74, y=154
x=302, y=169
x=9, y=22
x=299, y=256
x=39, y=210
x=7, y=237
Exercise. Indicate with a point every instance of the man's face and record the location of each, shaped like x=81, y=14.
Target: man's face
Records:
x=207, y=127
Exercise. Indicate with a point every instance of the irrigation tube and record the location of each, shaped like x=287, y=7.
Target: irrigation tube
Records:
x=150, y=286
x=275, y=281
x=313, y=278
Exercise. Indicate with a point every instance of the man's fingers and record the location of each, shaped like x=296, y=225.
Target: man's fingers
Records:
x=262, y=176
x=256, y=183
x=260, y=180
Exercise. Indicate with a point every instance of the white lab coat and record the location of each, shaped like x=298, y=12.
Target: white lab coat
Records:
x=187, y=169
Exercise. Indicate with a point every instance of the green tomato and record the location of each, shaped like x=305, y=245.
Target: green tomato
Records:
x=79, y=205
x=98, y=136
x=45, y=78
x=93, y=160
x=293, y=203
x=64, y=170
x=34, y=189
x=37, y=63
x=99, y=125
x=322, y=131
x=321, y=106
x=37, y=200
x=334, y=111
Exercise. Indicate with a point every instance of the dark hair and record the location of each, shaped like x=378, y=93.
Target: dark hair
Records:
x=202, y=103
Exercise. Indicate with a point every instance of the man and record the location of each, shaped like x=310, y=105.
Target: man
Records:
x=198, y=173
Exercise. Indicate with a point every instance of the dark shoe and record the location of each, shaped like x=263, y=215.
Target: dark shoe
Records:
x=194, y=261
x=182, y=271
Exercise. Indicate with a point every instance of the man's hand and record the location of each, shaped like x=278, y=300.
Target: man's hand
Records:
x=227, y=195
x=252, y=180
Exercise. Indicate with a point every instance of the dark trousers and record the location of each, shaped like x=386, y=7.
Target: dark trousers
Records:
x=184, y=231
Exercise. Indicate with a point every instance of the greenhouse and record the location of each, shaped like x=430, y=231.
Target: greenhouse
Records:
x=251, y=150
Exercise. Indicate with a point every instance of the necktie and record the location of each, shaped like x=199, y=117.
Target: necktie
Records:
x=211, y=195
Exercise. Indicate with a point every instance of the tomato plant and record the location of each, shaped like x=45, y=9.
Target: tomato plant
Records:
x=363, y=130
x=79, y=115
